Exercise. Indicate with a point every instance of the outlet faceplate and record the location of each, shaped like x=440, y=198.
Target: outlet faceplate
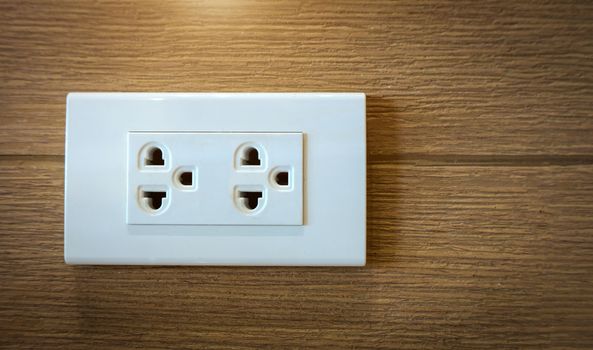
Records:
x=215, y=179
x=227, y=178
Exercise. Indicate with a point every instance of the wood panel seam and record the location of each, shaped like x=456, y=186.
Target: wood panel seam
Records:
x=415, y=158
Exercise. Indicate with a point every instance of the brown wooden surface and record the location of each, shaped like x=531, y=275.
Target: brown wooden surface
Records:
x=480, y=173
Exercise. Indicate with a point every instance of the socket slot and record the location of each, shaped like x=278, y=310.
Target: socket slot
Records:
x=249, y=199
x=153, y=156
x=250, y=156
x=153, y=200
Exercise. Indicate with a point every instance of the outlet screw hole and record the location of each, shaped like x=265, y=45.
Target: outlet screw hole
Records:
x=250, y=199
x=186, y=178
x=154, y=199
x=251, y=157
x=154, y=156
x=282, y=178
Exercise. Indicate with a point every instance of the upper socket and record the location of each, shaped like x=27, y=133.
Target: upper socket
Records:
x=251, y=157
x=154, y=156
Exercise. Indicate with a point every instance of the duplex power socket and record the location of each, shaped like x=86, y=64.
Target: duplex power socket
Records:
x=215, y=179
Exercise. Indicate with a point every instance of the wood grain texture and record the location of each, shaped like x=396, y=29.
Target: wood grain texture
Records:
x=480, y=173
x=517, y=73
x=460, y=256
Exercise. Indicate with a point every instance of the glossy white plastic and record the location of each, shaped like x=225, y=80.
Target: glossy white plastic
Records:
x=216, y=178
x=203, y=155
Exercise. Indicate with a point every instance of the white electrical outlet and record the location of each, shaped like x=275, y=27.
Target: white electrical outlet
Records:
x=226, y=179
x=185, y=178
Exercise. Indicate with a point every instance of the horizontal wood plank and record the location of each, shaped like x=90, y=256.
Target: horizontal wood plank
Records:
x=480, y=173
x=443, y=77
x=460, y=256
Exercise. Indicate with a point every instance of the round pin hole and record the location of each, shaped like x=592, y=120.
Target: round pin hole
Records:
x=185, y=178
x=281, y=178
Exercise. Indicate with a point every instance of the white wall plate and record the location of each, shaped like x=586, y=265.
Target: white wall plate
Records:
x=215, y=179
